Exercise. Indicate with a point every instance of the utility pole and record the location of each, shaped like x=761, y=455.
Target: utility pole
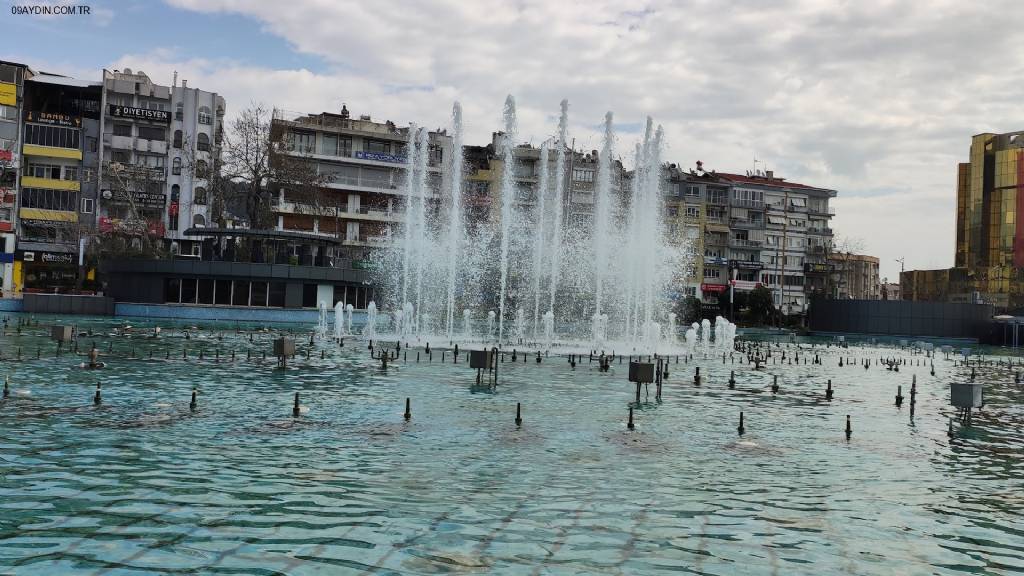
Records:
x=901, y=260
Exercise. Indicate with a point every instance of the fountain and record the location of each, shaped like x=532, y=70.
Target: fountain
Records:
x=594, y=283
x=339, y=320
x=370, y=330
x=322, y=322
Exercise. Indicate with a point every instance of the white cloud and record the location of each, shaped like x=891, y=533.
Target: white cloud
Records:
x=877, y=99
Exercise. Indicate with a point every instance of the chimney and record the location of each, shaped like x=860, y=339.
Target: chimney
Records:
x=770, y=174
x=184, y=83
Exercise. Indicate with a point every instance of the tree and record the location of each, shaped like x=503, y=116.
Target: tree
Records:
x=761, y=305
x=254, y=158
x=841, y=250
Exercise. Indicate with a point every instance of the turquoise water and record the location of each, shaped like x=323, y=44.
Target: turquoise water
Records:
x=140, y=484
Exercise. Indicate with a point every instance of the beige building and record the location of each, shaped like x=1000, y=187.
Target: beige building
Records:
x=855, y=276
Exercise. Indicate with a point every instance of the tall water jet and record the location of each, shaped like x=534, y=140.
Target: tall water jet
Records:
x=321, y=325
x=602, y=216
x=508, y=197
x=556, y=236
x=348, y=318
x=538, y=242
x=339, y=319
x=370, y=330
x=467, y=325
x=549, y=328
x=455, y=231
x=422, y=153
x=410, y=183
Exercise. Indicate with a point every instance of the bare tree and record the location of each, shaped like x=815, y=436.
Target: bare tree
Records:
x=133, y=233
x=842, y=249
x=254, y=158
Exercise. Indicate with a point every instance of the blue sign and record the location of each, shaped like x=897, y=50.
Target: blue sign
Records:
x=379, y=157
x=6, y=258
x=714, y=260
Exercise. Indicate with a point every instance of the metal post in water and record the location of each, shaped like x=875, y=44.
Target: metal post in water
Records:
x=408, y=409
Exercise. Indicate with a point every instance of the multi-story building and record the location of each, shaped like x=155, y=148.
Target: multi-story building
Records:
x=197, y=131
x=855, y=276
x=360, y=196
x=12, y=82
x=62, y=124
x=778, y=236
x=989, y=255
x=159, y=146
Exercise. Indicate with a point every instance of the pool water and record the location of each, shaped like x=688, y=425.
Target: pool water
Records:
x=141, y=484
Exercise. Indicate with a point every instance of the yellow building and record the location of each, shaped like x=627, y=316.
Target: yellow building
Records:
x=989, y=261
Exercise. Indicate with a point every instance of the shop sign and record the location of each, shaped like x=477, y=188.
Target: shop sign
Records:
x=716, y=260
x=816, y=267
x=379, y=157
x=744, y=284
x=140, y=113
x=745, y=264
x=48, y=257
x=53, y=119
x=713, y=287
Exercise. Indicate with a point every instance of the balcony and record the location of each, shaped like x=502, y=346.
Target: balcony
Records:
x=49, y=183
x=368, y=184
x=121, y=142
x=745, y=203
x=744, y=243
x=746, y=223
x=820, y=211
x=155, y=146
x=826, y=231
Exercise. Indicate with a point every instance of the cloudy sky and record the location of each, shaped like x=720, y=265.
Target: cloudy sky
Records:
x=875, y=99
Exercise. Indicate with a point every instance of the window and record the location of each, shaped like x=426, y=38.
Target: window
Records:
x=693, y=211
x=9, y=74
x=88, y=175
x=329, y=145
x=71, y=173
x=8, y=113
x=377, y=146
x=177, y=139
x=6, y=144
x=122, y=129
x=55, y=136
x=50, y=171
x=672, y=211
x=49, y=199
x=693, y=190
x=199, y=196
x=176, y=166
x=712, y=272
x=152, y=104
x=203, y=142
x=205, y=117
x=151, y=161
x=179, y=111
x=152, y=133
x=199, y=221
x=88, y=204
x=436, y=155
x=120, y=156
x=201, y=169
x=580, y=175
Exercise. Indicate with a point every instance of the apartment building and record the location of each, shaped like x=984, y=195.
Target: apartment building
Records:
x=159, y=146
x=60, y=145
x=361, y=197
x=855, y=276
x=12, y=84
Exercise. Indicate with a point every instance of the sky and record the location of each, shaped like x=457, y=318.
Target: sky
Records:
x=875, y=99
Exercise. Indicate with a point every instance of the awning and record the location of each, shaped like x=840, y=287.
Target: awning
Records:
x=283, y=235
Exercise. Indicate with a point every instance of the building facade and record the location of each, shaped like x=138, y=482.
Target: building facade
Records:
x=360, y=197
x=12, y=95
x=60, y=146
x=761, y=230
x=855, y=276
x=989, y=252
x=159, y=146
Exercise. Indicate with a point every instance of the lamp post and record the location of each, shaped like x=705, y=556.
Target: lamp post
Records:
x=732, y=296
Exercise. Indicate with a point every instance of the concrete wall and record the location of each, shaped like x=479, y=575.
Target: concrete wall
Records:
x=68, y=304
x=181, y=312
x=901, y=317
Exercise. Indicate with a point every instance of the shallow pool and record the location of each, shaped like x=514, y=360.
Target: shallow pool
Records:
x=142, y=484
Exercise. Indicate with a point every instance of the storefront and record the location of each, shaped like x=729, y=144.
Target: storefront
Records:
x=47, y=272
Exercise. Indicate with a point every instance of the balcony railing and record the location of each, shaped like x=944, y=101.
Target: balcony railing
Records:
x=814, y=230
x=715, y=241
x=745, y=203
x=744, y=243
x=746, y=223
